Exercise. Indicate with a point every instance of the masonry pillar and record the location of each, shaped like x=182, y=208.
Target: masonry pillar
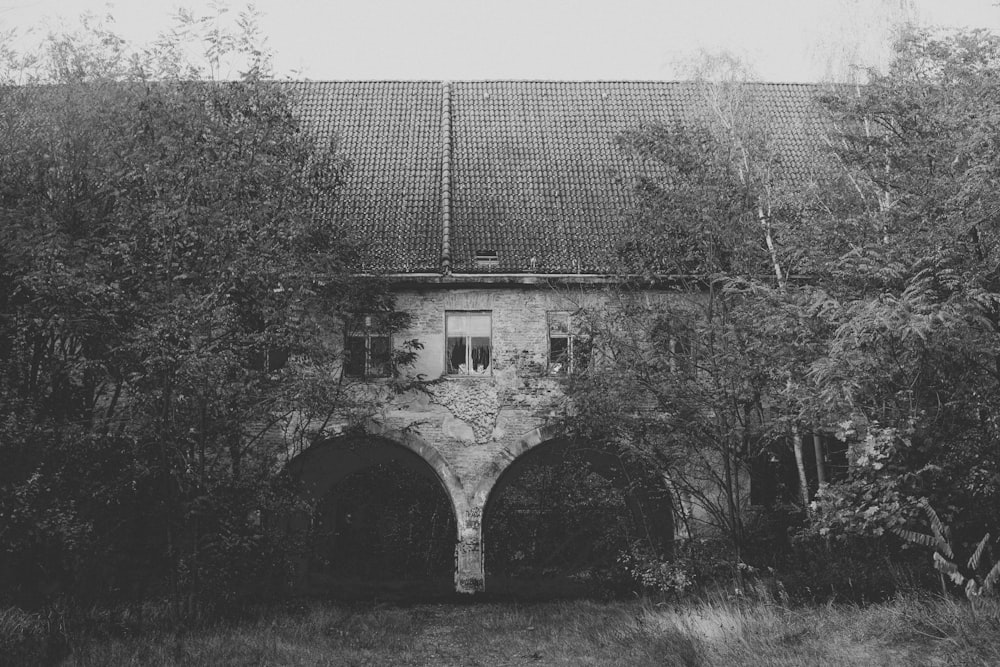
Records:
x=470, y=573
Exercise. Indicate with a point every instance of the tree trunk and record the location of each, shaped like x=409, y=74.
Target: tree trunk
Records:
x=800, y=464
x=732, y=503
x=683, y=511
x=820, y=464
x=765, y=224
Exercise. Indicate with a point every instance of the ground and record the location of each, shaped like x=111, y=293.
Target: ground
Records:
x=633, y=633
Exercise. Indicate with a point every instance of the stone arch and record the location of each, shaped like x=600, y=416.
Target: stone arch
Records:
x=651, y=511
x=329, y=461
x=506, y=458
x=324, y=464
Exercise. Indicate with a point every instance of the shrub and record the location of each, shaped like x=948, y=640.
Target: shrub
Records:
x=24, y=638
x=695, y=564
x=856, y=569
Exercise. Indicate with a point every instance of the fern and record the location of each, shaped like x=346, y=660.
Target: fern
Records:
x=993, y=578
x=940, y=530
x=977, y=555
x=914, y=537
x=944, y=555
x=948, y=568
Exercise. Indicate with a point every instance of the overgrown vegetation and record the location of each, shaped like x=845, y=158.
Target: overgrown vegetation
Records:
x=557, y=524
x=720, y=631
x=164, y=284
x=383, y=523
x=851, y=311
x=161, y=262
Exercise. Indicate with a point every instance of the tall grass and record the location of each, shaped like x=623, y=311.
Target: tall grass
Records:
x=713, y=631
x=911, y=631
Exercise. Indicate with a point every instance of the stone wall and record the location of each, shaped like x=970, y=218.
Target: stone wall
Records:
x=474, y=420
x=477, y=425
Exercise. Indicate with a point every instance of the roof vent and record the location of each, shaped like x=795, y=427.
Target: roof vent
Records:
x=487, y=259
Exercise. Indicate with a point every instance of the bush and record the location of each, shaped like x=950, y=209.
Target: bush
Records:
x=652, y=573
x=25, y=639
x=696, y=565
x=857, y=569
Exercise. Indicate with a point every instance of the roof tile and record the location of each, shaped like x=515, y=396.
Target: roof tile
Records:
x=536, y=173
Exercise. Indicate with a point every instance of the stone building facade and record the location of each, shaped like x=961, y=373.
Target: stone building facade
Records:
x=495, y=209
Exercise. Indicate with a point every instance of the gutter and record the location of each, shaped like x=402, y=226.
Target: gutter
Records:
x=472, y=279
x=432, y=279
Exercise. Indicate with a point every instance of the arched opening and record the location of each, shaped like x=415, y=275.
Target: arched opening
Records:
x=382, y=521
x=561, y=515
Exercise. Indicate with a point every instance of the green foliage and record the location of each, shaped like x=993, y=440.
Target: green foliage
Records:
x=888, y=337
x=715, y=631
x=161, y=256
x=694, y=567
x=706, y=373
x=973, y=576
x=384, y=523
x=24, y=638
x=909, y=371
x=558, y=518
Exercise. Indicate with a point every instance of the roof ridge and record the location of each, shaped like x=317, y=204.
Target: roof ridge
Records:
x=553, y=81
x=445, y=177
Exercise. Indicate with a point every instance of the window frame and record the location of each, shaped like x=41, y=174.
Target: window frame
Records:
x=365, y=327
x=680, y=353
x=467, y=340
x=568, y=335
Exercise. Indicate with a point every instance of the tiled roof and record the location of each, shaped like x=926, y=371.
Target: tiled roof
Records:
x=536, y=175
x=391, y=134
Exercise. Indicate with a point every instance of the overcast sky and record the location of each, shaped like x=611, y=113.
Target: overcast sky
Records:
x=785, y=40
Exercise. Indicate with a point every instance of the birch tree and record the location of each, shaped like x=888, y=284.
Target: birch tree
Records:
x=716, y=368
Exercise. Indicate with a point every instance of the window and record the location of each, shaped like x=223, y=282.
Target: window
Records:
x=367, y=349
x=270, y=360
x=560, y=343
x=263, y=357
x=487, y=259
x=567, y=351
x=680, y=353
x=671, y=341
x=468, y=350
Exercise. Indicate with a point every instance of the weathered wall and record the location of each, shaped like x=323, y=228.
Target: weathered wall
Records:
x=484, y=413
x=477, y=425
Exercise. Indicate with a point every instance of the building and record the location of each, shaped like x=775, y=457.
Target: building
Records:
x=495, y=209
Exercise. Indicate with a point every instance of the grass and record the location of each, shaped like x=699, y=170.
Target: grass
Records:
x=718, y=631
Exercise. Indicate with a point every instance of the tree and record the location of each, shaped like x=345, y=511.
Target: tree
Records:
x=163, y=271
x=708, y=377
x=888, y=340
x=851, y=37
x=911, y=276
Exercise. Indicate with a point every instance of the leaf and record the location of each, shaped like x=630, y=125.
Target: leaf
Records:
x=915, y=537
x=938, y=527
x=990, y=582
x=978, y=553
x=947, y=567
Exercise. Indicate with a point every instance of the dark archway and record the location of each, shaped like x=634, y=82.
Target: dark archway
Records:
x=382, y=519
x=559, y=516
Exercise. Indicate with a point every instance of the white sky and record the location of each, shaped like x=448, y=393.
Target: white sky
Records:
x=785, y=40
